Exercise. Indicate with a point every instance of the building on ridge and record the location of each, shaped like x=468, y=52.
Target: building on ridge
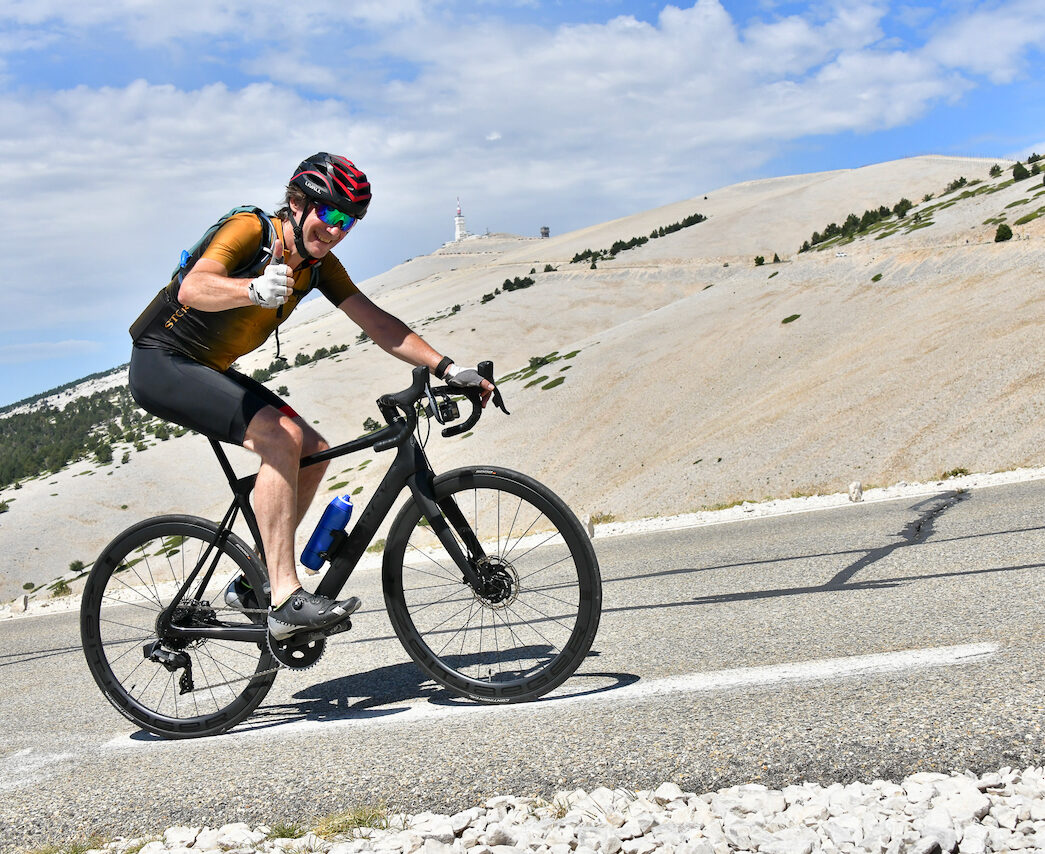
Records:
x=460, y=232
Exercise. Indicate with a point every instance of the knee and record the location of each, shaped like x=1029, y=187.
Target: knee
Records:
x=314, y=443
x=274, y=435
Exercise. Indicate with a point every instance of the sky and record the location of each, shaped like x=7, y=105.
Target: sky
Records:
x=129, y=126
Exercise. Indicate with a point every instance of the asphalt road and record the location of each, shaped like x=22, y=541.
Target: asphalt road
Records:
x=921, y=623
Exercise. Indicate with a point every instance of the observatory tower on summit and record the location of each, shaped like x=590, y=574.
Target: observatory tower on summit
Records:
x=460, y=232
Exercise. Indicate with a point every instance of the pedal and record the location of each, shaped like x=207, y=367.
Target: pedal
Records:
x=339, y=628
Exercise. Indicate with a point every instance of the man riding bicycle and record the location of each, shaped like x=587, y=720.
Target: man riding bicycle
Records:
x=212, y=312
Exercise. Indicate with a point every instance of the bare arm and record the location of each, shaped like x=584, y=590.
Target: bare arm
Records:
x=395, y=337
x=208, y=287
x=389, y=332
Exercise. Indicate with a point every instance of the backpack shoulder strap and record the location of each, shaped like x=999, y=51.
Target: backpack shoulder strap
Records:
x=189, y=257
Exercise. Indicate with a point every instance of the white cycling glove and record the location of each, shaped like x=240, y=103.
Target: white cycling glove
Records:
x=460, y=377
x=272, y=287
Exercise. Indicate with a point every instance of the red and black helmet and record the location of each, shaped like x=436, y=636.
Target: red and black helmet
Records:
x=333, y=180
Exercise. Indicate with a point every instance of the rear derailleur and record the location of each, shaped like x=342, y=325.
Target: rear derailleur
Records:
x=172, y=661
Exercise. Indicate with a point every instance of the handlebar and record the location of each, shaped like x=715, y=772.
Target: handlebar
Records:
x=399, y=409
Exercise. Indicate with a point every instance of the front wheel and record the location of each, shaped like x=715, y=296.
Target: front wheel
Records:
x=534, y=620
x=171, y=685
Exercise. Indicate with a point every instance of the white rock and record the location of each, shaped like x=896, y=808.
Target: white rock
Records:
x=666, y=793
x=966, y=806
x=238, y=835
x=843, y=830
x=604, y=798
x=638, y=846
x=697, y=846
x=793, y=841
x=207, y=839
x=498, y=834
x=1006, y=816
x=459, y=821
x=630, y=830
x=938, y=824
x=183, y=837
x=645, y=821
x=759, y=799
x=600, y=839
x=925, y=845
x=974, y=840
x=434, y=826
x=561, y=835
x=308, y=842
x=352, y=846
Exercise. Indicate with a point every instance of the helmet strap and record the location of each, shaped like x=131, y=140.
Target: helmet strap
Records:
x=299, y=237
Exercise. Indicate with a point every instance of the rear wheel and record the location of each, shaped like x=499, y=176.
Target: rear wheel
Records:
x=533, y=621
x=174, y=686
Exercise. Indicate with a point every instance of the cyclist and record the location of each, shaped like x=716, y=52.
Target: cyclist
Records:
x=210, y=314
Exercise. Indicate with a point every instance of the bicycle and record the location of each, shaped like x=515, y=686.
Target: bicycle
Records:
x=490, y=582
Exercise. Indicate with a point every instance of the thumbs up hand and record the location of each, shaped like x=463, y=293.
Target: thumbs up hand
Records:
x=275, y=284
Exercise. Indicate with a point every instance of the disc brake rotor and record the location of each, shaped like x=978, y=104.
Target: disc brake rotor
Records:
x=500, y=582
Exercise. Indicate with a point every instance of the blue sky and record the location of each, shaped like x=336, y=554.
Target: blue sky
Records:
x=129, y=127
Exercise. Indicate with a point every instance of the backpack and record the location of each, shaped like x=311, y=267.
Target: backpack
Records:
x=166, y=300
x=261, y=258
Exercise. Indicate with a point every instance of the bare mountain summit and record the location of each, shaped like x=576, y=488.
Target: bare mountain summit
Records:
x=677, y=374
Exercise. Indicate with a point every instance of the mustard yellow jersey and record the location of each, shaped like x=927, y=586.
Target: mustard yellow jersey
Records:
x=218, y=338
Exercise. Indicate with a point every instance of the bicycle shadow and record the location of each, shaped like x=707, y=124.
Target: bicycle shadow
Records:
x=396, y=689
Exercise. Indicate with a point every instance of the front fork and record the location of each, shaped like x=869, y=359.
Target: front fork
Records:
x=445, y=519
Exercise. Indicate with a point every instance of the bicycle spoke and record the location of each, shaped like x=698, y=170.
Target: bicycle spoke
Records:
x=140, y=662
x=433, y=560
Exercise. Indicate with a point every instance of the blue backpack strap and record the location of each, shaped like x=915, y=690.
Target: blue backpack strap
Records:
x=189, y=257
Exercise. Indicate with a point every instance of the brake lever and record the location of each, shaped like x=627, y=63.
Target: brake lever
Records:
x=485, y=370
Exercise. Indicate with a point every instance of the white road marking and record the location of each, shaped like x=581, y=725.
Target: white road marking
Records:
x=26, y=767
x=692, y=683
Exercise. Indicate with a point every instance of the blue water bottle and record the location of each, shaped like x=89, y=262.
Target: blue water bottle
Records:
x=334, y=518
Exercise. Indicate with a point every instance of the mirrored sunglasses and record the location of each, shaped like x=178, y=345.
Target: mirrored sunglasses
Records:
x=332, y=216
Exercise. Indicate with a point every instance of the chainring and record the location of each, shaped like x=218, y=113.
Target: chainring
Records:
x=298, y=653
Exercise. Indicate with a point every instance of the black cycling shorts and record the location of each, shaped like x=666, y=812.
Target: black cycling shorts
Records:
x=176, y=388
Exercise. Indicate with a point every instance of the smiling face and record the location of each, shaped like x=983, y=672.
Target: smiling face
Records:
x=319, y=237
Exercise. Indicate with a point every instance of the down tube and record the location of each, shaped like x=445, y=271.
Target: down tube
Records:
x=409, y=459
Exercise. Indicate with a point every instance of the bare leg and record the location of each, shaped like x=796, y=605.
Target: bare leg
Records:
x=278, y=502
x=311, y=477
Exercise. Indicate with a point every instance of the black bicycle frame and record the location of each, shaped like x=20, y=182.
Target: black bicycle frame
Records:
x=409, y=469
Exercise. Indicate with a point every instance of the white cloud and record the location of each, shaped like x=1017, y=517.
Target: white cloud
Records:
x=993, y=40
x=591, y=121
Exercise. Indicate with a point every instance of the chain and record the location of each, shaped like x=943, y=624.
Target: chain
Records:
x=271, y=670
x=218, y=609
x=279, y=666
x=275, y=669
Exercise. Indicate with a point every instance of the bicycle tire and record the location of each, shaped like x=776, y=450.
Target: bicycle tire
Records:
x=131, y=583
x=533, y=634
